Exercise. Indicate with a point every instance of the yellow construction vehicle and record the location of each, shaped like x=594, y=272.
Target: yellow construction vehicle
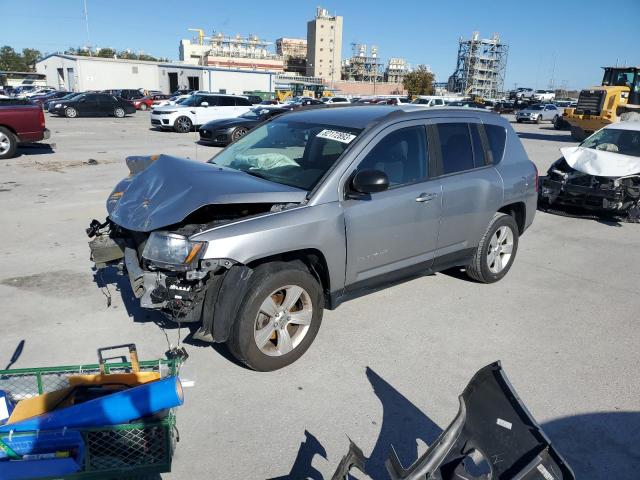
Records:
x=618, y=98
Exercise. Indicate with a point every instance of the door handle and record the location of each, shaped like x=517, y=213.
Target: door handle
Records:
x=426, y=197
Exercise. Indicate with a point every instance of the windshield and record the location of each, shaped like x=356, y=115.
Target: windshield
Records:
x=625, y=142
x=291, y=153
x=191, y=101
x=256, y=113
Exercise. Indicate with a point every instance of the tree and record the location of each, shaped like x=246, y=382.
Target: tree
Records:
x=30, y=57
x=106, y=53
x=419, y=81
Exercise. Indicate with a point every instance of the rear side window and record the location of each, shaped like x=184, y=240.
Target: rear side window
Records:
x=457, y=155
x=243, y=102
x=226, y=102
x=497, y=137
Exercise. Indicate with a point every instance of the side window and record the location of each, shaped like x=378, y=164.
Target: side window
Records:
x=402, y=155
x=439, y=102
x=497, y=137
x=457, y=155
x=478, y=149
x=242, y=102
x=226, y=102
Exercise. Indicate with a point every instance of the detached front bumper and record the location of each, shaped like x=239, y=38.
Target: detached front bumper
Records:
x=590, y=198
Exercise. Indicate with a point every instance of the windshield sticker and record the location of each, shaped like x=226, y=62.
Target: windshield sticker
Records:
x=342, y=137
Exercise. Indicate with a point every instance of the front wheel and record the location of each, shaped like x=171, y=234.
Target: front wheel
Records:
x=539, y=119
x=238, y=133
x=279, y=316
x=183, y=125
x=70, y=112
x=119, y=112
x=497, y=249
x=143, y=106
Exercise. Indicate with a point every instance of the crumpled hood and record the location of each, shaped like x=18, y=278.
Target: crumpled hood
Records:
x=600, y=162
x=163, y=190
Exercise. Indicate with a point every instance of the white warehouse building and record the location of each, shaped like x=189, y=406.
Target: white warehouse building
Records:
x=79, y=73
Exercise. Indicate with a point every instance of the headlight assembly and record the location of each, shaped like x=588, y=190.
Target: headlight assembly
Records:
x=173, y=251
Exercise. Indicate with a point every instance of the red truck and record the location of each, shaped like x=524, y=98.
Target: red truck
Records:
x=21, y=121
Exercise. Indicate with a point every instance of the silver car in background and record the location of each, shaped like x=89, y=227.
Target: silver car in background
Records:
x=539, y=113
x=311, y=209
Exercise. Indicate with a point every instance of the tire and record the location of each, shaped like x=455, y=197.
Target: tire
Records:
x=119, y=112
x=238, y=133
x=539, y=119
x=70, y=112
x=183, y=124
x=8, y=143
x=502, y=231
x=253, y=326
x=554, y=121
x=577, y=134
x=143, y=106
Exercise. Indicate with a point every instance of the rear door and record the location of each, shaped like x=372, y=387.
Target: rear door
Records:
x=471, y=186
x=88, y=104
x=396, y=229
x=106, y=104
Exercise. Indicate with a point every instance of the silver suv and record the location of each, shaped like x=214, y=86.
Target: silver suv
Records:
x=313, y=208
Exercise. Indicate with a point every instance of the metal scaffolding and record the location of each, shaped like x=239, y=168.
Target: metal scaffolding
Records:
x=363, y=66
x=480, y=67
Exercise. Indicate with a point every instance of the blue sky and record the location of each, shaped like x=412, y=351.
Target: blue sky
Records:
x=579, y=36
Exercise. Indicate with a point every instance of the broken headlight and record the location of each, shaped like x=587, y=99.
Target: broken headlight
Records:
x=173, y=251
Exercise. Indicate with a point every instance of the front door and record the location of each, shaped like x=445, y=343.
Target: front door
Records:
x=396, y=229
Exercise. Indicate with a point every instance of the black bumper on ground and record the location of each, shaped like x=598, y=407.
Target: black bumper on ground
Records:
x=591, y=198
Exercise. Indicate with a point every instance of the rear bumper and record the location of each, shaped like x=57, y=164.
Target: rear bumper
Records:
x=34, y=136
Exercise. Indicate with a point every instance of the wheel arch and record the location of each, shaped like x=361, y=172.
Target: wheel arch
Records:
x=518, y=211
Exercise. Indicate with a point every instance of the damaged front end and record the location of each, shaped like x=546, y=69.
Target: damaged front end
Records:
x=493, y=436
x=154, y=214
x=582, y=186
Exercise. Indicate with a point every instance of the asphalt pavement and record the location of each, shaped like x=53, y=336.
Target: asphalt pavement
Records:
x=385, y=369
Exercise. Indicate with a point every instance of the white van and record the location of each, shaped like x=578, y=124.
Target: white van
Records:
x=197, y=110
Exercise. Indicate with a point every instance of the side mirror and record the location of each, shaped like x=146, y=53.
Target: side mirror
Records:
x=204, y=104
x=370, y=181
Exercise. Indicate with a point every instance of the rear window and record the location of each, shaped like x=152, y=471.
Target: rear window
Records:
x=457, y=155
x=497, y=137
x=226, y=102
x=243, y=102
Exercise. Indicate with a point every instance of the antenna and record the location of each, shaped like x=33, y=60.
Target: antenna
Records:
x=86, y=24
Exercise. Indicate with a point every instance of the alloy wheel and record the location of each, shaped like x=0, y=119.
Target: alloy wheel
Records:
x=119, y=112
x=500, y=249
x=5, y=143
x=283, y=320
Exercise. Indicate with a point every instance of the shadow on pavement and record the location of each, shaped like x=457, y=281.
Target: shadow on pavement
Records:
x=16, y=355
x=545, y=136
x=599, y=445
x=29, y=149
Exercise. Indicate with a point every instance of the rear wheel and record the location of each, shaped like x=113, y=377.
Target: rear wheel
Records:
x=539, y=119
x=8, y=143
x=497, y=249
x=555, y=120
x=70, y=112
x=119, y=112
x=279, y=317
x=183, y=125
x=238, y=133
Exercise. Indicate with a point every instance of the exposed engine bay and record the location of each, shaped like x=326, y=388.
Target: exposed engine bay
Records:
x=493, y=436
x=594, y=179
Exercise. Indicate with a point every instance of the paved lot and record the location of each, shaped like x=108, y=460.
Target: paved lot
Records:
x=385, y=369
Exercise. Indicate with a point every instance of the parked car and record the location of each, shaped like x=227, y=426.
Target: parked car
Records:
x=269, y=102
x=301, y=102
x=20, y=121
x=539, y=113
x=332, y=100
x=39, y=91
x=429, y=101
x=143, y=103
x=42, y=99
x=227, y=130
x=310, y=209
x=128, y=93
x=93, y=105
x=254, y=99
x=521, y=93
x=197, y=110
x=172, y=100
x=49, y=104
x=543, y=96
x=602, y=174
x=504, y=107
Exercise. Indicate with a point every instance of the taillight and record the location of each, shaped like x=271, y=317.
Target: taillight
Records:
x=41, y=118
x=537, y=179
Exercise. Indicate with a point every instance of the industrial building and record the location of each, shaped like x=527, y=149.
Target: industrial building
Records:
x=242, y=53
x=480, y=67
x=324, y=46
x=363, y=66
x=397, y=68
x=294, y=53
x=79, y=73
